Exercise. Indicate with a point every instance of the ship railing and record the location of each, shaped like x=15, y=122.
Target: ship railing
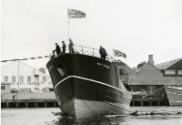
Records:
x=90, y=51
x=85, y=50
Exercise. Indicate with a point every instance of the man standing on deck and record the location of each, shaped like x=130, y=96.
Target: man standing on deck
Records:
x=102, y=52
x=71, y=50
x=63, y=46
x=58, y=50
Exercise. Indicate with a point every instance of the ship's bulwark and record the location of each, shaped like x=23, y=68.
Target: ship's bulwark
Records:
x=87, y=86
x=84, y=66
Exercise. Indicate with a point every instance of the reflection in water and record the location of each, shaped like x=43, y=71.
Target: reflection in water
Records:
x=97, y=121
x=127, y=120
x=51, y=116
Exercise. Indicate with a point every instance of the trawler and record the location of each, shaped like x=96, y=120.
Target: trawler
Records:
x=87, y=86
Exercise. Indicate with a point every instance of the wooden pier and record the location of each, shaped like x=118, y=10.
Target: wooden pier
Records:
x=149, y=102
x=45, y=100
x=28, y=100
x=29, y=104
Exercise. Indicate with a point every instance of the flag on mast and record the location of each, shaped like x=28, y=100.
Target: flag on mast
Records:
x=72, y=13
x=119, y=54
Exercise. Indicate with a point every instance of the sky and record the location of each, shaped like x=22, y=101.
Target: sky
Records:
x=30, y=28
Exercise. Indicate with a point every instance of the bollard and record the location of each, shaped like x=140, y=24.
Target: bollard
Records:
x=45, y=104
x=7, y=103
x=36, y=105
x=26, y=104
x=16, y=104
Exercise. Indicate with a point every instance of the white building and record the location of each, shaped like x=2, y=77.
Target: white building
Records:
x=21, y=76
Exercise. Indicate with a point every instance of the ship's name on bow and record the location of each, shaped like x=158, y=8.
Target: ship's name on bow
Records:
x=103, y=65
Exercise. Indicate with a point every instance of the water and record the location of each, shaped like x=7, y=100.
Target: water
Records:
x=48, y=116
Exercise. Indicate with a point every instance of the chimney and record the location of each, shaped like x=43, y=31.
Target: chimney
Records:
x=150, y=59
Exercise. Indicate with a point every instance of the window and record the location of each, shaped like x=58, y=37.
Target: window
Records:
x=21, y=80
x=36, y=79
x=2, y=87
x=170, y=72
x=5, y=78
x=13, y=79
x=28, y=80
x=44, y=78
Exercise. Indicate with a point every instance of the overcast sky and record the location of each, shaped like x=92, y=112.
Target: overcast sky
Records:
x=137, y=27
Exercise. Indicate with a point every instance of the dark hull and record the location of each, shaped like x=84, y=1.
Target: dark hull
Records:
x=88, y=86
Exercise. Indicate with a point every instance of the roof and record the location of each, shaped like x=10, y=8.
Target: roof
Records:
x=146, y=75
x=20, y=62
x=167, y=64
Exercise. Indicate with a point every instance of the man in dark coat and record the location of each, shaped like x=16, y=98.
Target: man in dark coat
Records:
x=71, y=49
x=102, y=52
x=58, y=50
x=63, y=46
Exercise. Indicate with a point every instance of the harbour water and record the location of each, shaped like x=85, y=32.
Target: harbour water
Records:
x=50, y=116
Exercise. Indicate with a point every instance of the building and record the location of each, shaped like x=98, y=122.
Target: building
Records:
x=22, y=77
x=172, y=72
x=147, y=84
x=149, y=80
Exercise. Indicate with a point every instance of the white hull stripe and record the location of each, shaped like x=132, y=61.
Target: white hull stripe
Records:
x=119, y=105
x=91, y=80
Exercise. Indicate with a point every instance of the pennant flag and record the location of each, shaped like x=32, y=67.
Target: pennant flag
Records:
x=31, y=58
x=24, y=59
x=40, y=57
x=119, y=54
x=72, y=13
x=4, y=60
